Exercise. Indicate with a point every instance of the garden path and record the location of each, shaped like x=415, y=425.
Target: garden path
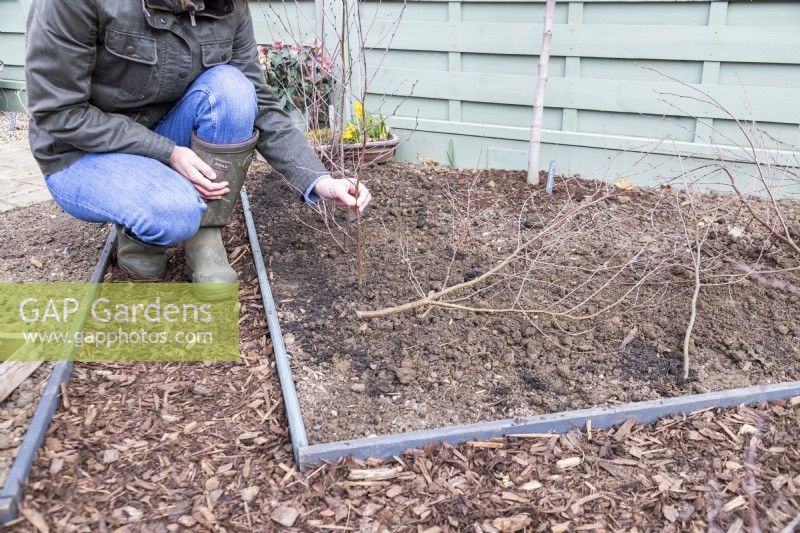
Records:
x=21, y=182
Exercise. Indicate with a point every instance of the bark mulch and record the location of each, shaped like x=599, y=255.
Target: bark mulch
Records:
x=48, y=246
x=168, y=447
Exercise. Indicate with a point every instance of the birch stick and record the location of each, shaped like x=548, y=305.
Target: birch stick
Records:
x=538, y=99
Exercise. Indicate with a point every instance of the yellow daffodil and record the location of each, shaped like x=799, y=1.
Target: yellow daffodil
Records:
x=350, y=134
x=358, y=109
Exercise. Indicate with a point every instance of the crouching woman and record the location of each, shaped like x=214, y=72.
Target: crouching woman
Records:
x=146, y=113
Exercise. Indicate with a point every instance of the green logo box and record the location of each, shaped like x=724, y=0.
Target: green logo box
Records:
x=118, y=322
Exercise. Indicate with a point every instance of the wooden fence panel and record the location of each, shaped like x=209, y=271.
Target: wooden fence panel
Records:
x=658, y=77
x=12, y=53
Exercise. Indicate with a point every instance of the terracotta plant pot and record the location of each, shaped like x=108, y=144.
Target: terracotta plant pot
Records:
x=375, y=152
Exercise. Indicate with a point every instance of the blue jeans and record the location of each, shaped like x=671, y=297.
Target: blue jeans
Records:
x=158, y=205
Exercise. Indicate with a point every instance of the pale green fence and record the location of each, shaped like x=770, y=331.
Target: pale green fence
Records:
x=458, y=77
x=12, y=53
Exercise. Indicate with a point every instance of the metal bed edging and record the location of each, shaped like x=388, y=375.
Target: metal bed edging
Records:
x=386, y=446
x=14, y=489
x=297, y=429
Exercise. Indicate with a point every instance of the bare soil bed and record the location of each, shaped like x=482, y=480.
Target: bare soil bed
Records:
x=608, y=291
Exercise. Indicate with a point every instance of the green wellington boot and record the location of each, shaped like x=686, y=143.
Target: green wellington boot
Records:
x=205, y=253
x=141, y=260
x=230, y=162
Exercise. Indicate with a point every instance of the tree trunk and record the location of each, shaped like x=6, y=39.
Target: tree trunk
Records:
x=538, y=99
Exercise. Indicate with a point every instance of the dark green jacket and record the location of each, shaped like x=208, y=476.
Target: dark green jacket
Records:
x=101, y=73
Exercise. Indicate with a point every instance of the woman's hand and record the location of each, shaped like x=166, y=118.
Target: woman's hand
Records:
x=189, y=165
x=342, y=191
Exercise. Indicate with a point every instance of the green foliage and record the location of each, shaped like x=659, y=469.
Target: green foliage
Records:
x=301, y=76
x=451, y=153
x=319, y=136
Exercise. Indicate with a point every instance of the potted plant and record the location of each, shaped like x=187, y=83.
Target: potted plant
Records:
x=302, y=77
x=380, y=145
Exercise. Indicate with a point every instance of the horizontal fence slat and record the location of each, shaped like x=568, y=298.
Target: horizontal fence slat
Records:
x=681, y=43
x=595, y=140
x=12, y=99
x=766, y=104
x=15, y=85
x=12, y=51
x=13, y=73
x=11, y=22
x=289, y=21
x=12, y=16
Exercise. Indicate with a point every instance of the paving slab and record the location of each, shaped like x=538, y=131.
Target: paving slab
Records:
x=21, y=182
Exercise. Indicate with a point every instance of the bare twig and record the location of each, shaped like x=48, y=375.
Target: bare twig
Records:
x=432, y=298
x=687, y=338
x=767, y=281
